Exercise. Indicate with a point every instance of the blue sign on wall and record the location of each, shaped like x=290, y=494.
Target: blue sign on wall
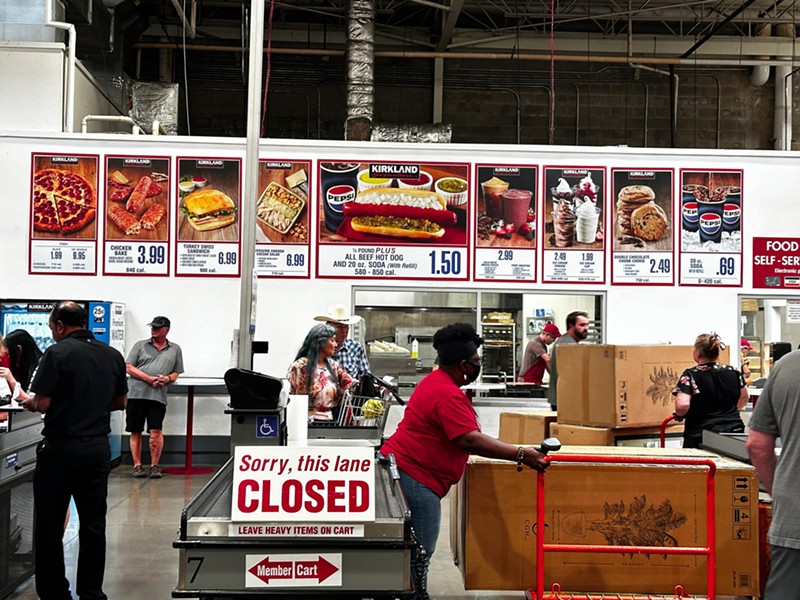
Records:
x=267, y=426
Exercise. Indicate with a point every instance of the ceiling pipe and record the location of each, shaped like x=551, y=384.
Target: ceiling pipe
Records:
x=782, y=115
x=760, y=73
x=68, y=110
x=135, y=129
x=608, y=58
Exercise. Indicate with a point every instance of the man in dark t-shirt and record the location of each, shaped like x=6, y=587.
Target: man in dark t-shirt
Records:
x=78, y=382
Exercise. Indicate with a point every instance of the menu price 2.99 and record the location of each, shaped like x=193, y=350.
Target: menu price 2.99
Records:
x=402, y=262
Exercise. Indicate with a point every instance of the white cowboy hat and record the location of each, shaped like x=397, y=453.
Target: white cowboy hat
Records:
x=337, y=313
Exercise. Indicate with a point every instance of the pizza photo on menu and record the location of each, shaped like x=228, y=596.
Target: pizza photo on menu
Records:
x=63, y=203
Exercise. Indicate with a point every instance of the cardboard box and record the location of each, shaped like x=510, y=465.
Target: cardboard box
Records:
x=603, y=504
x=525, y=427
x=619, y=386
x=643, y=437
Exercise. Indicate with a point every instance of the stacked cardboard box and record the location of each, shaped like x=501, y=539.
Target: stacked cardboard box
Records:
x=495, y=529
x=525, y=427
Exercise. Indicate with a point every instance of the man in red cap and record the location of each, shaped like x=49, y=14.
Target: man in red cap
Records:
x=535, y=359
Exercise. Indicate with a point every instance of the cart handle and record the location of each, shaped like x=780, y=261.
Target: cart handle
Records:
x=386, y=385
x=662, y=430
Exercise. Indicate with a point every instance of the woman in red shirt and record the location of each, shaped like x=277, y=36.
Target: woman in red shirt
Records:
x=439, y=431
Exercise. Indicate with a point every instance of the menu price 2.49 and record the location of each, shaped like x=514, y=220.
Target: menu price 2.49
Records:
x=574, y=266
x=203, y=258
x=711, y=269
x=52, y=256
x=401, y=262
x=137, y=258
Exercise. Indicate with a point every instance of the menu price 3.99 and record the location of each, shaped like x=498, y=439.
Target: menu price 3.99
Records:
x=136, y=258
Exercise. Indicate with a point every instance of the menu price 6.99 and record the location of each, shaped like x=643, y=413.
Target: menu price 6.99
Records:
x=202, y=258
x=401, y=262
x=282, y=261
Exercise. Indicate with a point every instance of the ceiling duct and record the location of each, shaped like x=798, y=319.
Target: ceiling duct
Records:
x=360, y=69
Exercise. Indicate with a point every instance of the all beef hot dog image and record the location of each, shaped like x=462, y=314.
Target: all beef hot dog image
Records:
x=418, y=214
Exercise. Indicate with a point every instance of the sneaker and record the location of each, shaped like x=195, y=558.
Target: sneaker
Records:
x=155, y=472
x=138, y=471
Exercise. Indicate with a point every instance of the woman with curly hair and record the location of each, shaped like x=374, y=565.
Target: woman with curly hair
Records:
x=316, y=374
x=709, y=395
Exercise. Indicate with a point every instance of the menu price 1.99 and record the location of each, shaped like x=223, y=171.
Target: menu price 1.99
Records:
x=63, y=257
x=389, y=262
x=136, y=258
x=206, y=258
x=277, y=261
x=505, y=264
x=574, y=266
x=711, y=269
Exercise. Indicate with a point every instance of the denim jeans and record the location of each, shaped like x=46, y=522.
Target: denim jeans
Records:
x=426, y=518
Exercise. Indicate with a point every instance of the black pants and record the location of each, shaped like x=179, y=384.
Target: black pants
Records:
x=77, y=468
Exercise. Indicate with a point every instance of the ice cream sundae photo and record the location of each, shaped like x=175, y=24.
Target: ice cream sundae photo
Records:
x=576, y=209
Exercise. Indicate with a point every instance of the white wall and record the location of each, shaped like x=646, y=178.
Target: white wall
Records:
x=31, y=86
x=204, y=311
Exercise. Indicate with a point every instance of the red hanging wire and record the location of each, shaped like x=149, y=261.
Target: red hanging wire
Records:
x=552, y=116
x=269, y=66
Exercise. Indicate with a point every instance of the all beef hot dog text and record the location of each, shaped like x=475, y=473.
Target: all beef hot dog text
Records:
x=417, y=214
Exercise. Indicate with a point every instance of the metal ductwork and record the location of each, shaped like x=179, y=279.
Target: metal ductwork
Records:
x=441, y=133
x=360, y=69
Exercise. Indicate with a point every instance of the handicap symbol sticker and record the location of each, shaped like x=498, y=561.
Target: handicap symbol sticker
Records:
x=267, y=426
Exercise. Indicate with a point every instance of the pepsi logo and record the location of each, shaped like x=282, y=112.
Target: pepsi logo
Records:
x=731, y=214
x=710, y=223
x=690, y=212
x=339, y=195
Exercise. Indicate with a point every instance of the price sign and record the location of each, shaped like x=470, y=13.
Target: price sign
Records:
x=136, y=258
x=63, y=257
x=287, y=261
x=207, y=258
x=574, y=266
x=711, y=269
x=643, y=267
x=505, y=264
x=388, y=262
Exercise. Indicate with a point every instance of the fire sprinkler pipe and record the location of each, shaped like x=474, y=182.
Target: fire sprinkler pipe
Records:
x=135, y=129
x=68, y=112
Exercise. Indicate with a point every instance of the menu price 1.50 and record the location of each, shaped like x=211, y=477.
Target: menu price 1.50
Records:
x=205, y=258
x=277, y=261
x=711, y=269
x=392, y=262
x=62, y=257
x=136, y=258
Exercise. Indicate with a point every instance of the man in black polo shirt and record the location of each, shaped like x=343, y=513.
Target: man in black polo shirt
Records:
x=78, y=382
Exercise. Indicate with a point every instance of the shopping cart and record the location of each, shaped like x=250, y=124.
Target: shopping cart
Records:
x=663, y=429
x=358, y=417
x=709, y=551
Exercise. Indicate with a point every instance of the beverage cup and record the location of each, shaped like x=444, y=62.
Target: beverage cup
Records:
x=492, y=199
x=710, y=221
x=586, y=226
x=731, y=216
x=690, y=216
x=515, y=206
x=339, y=182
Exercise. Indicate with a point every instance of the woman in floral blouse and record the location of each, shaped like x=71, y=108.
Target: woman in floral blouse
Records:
x=316, y=374
x=709, y=395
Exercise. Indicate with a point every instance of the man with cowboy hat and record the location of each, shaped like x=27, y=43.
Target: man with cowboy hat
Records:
x=349, y=353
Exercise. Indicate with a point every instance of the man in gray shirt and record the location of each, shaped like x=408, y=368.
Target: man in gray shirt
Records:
x=152, y=365
x=577, y=330
x=777, y=415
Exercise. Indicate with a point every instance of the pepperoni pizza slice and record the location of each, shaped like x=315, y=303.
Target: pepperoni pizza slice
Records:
x=63, y=201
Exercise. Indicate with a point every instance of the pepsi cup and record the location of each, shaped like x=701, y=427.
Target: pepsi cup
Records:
x=339, y=182
x=710, y=221
x=690, y=217
x=731, y=216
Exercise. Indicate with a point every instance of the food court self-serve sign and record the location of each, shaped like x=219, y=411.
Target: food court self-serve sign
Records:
x=300, y=492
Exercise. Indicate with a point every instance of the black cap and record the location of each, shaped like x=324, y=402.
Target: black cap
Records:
x=159, y=322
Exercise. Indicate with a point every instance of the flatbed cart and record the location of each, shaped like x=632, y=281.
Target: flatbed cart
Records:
x=662, y=430
x=709, y=551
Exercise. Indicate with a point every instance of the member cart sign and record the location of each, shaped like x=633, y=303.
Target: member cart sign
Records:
x=208, y=225
x=305, y=485
x=641, y=205
x=505, y=227
x=711, y=227
x=318, y=569
x=776, y=262
x=283, y=219
x=393, y=220
x=137, y=215
x=63, y=229
x=574, y=225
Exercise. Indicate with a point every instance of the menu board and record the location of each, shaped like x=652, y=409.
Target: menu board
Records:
x=505, y=226
x=392, y=220
x=776, y=262
x=63, y=225
x=574, y=225
x=641, y=205
x=207, y=224
x=282, y=219
x=137, y=216
x=711, y=227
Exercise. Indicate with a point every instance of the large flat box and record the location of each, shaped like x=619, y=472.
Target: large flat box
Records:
x=525, y=427
x=644, y=437
x=619, y=386
x=594, y=503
